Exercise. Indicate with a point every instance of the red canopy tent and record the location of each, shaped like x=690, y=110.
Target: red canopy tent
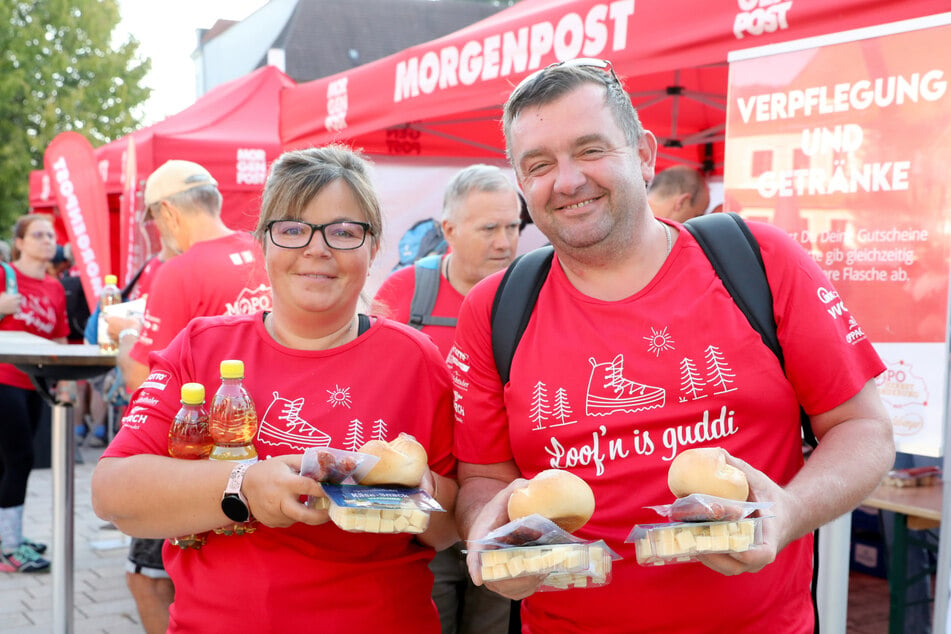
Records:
x=443, y=98
x=232, y=131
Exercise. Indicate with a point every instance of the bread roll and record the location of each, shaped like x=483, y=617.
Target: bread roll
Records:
x=402, y=462
x=558, y=495
x=704, y=470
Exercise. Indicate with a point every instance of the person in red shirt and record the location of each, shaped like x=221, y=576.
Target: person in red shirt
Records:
x=635, y=352
x=320, y=375
x=678, y=193
x=33, y=301
x=480, y=221
x=218, y=272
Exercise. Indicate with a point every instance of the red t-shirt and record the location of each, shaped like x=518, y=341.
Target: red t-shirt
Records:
x=42, y=313
x=395, y=295
x=613, y=390
x=146, y=277
x=224, y=276
x=303, y=578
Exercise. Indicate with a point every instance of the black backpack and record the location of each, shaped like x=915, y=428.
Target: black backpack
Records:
x=424, y=294
x=727, y=243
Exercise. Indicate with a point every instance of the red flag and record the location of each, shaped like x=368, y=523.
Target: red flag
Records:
x=127, y=217
x=81, y=198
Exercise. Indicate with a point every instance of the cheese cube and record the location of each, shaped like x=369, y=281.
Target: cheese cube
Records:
x=720, y=543
x=739, y=543
x=665, y=542
x=491, y=557
x=400, y=523
x=685, y=540
x=748, y=529
x=372, y=522
x=516, y=566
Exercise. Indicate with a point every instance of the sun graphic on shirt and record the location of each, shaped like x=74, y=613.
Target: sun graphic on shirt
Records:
x=339, y=396
x=659, y=341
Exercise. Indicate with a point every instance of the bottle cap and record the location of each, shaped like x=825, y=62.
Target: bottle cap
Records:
x=111, y=279
x=232, y=369
x=193, y=393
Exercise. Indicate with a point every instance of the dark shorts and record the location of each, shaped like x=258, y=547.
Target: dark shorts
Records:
x=145, y=557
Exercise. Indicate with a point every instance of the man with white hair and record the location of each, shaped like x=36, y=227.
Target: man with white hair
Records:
x=480, y=221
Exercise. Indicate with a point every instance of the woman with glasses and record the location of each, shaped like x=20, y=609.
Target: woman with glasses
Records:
x=320, y=374
x=34, y=302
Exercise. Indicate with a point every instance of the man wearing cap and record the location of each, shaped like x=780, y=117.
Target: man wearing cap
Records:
x=218, y=272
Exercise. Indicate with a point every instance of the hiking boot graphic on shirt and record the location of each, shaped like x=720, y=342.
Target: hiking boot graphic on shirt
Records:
x=610, y=392
x=282, y=425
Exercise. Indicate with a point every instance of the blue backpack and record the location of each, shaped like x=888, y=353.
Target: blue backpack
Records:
x=422, y=239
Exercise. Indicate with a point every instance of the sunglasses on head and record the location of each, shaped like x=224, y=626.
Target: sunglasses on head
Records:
x=585, y=62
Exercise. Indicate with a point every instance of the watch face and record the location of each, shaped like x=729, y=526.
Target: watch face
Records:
x=234, y=508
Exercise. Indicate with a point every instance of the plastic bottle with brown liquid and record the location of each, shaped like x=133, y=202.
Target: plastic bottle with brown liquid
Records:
x=233, y=423
x=190, y=439
x=110, y=295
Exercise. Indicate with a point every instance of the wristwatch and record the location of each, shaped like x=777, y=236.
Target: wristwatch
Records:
x=233, y=502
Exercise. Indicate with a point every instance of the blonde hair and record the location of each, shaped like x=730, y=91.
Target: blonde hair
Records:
x=298, y=176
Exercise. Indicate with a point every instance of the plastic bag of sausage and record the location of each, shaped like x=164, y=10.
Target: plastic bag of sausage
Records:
x=698, y=507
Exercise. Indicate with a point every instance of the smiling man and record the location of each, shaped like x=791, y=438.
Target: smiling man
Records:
x=593, y=390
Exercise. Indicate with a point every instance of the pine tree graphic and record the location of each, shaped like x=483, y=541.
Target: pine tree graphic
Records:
x=539, y=410
x=354, y=439
x=562, y=408
x=719, y=372
x=379, y=430
x=691, y=383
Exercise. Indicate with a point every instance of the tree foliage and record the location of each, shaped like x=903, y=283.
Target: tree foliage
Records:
x=60, y=71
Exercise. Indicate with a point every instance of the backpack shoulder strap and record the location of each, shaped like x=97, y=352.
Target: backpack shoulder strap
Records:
x=736, y=258
x=11, y=278
x=425, y=290
x=127, y=289
x=514, y=302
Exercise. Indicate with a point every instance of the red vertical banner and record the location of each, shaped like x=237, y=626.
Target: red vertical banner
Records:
x=846, y=147
x=81, y=198
x=128, y=213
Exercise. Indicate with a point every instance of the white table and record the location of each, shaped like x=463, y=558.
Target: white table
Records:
x=46, y=361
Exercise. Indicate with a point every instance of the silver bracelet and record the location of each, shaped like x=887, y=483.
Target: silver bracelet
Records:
x=128, y=331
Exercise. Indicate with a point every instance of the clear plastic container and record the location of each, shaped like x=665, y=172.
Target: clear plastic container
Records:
x=680, y=542
x=365, y=509
x=596, y=574
x=522, y=561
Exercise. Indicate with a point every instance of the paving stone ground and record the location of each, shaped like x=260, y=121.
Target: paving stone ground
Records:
x=102, y=603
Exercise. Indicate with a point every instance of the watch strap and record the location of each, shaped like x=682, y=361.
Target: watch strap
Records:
x=233, y=502
x=236, y=479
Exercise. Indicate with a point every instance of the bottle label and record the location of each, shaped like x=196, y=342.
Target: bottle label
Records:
x=102, y=333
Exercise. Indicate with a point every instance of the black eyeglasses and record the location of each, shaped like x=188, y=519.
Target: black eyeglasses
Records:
x=588, y=62
x=297, y=234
